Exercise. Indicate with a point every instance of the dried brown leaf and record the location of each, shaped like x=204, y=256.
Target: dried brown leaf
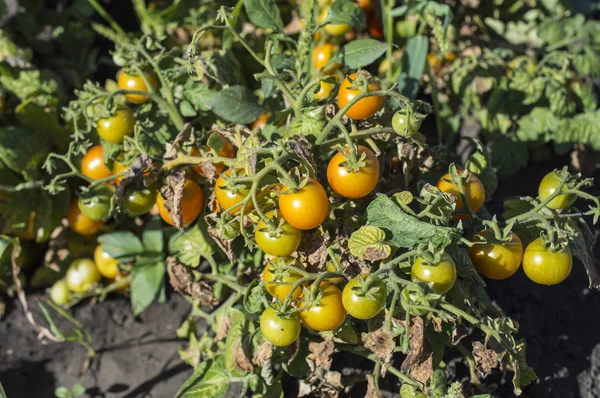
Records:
x=382, y=343
x=485, y=359
x=240, y=358
x=321, y=353
x=224, y=326
x=459, y=332
x=314, y=247
x=293, y=349
x=416, y=342
x=262, y=353
x=423, y=370
x=372, y=390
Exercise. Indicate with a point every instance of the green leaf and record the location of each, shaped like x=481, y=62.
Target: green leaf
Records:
x=413, y=65
x=582, y=246
x=254, y=297
x=508, y=156
x=122, y=245
x=480, y=163
x=147, y=281
x=236, y=104
x=78, y=390
x=62, y=392
x=368, y=243
x=360, y=53
x=189, y=247
x=344, y=12
x=209, y=380
x=23, y=151
x=403, y=229
x=234, y=340
x=197, y=96
x=524, y=374
x=264, y=14
x=152, y=236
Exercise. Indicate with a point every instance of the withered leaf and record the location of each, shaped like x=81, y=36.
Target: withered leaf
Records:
x=321, y=353
x=240, y=359
x=422, y=370
x=300, y=147
x=173, y=193
x=224, y=326
x=459, y=332
x=314, y=246
x=182, y=280
x=372, y=390
x=294, y=349
x=416, y=341
x=382, y=343
x=485, y=359
x=209, y=170
x=262, y=353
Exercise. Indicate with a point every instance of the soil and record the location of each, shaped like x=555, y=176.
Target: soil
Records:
x=137, y=357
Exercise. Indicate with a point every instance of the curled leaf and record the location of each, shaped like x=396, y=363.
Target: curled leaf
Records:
x=368, y=243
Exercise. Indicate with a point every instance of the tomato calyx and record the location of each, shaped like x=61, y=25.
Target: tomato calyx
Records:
x=353, y=163
x=281, y=267
x=416, y=301
x=493, y=234
x=367, y=286
x=553, y=242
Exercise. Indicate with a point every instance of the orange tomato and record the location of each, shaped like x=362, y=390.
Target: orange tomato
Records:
x=80, y=223
x=93, y=165
x=474, y=192
x=126, y=81
x=365, y=107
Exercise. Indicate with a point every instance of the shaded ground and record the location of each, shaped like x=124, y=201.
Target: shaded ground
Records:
x=138, y=357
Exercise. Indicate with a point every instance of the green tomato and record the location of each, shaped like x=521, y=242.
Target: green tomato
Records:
x=545, y=267
x=368, y=305
x=96, y=205
x=59, y=292
x=548, y=186
x=82, y=275
x=405, y=125
x=440, y=277
x=139, y=201
x=279, y=331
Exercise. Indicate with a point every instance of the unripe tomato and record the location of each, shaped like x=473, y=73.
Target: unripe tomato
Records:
x=474, y=191
x=324, y=90
x=92, y=164
x=353, y=184
x=139, y=201
x=82, y=275
x=404, y=125
x=305, y=208
x=328, y=313
x=496, y=260
x=229, y=196
x=59, y=292
x=192, y=203
x=97, y=205
x=279, y=331
x=281, y=243
x=281, y=291
x=364, y=306
x=548, y=186
x=107, y=265
x=261, y=121
x=81, y=223
x=545, y=267
x=333, y=30
x=227, y=151
x=440, y=277
x=322, y=54
x=114, y=128
x=365, y=107
x=126, y=81
x=409, y=391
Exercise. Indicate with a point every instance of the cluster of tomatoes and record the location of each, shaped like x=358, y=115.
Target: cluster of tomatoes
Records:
x=84, y=274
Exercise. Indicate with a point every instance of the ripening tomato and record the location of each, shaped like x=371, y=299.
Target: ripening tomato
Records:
x=328, y=313
x=192, y=203
x=322, y=54
x=261, y=121
x=118, y=168
x=279, y=331
x=545, y=267
x=333, y=30
x=92, y=164
x=82, y=275
x=364, y=306
x=139, y=201
x=353, y=184
x=474, y=191
x=281, y=291
x=364, y=108
x=305, y=208
x=107, y=265
x=440, y=277
x=548, y=186
x=365, y=5
x=114, y=128
x=324, y=90
x=280, y=243
x=59, y=292
x=229, y=196
x=126, y=81
x=81, y=223
x=496, y=260
x=226, y=151
x=331, y=267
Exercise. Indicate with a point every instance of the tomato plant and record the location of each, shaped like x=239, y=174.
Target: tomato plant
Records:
x=117, y=126
x=440, y=275
x=279, y=331
x=81, y=223
x=473, y=191
x=131, y=81
x=280, y=239
x=106, y=265
x=550, y=184
x=138, y=201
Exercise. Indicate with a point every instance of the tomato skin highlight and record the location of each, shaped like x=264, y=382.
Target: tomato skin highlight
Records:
x=328, y=314
x=107, y=265
x=350, y=184
x=227, y=151
x=496, y=260
x=306, y=208
x=548, y=186
x=116, y=127
x=364, y=108
x=545, y=267
x=80, y=223
x=281, y=246
x=278, y=331
x=82, y=275
x=227, y=198
x=192, y=203
x=474, y=191
x=440, y=277
x=363, y=307
x=126, y=81
x=280, y=291
x=92, y=164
